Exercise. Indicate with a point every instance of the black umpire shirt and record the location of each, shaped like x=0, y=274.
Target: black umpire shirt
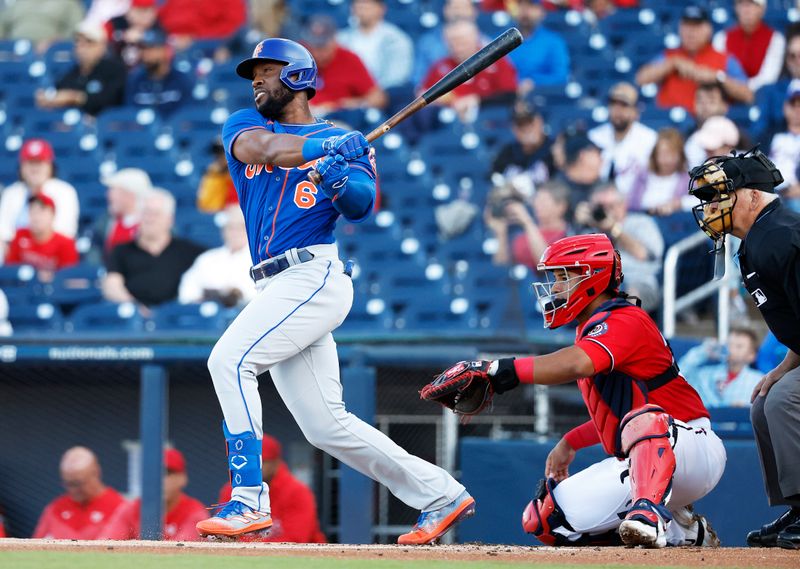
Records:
x=769, y=259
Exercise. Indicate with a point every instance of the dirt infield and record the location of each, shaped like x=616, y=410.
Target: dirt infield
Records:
x=691, y=557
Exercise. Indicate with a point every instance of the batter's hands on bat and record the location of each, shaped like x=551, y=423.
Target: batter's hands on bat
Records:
x=351, y=145
x=334, y=171
x=558, y=461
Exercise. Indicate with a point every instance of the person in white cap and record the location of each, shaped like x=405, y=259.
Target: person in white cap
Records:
x=718, y=136
x=127, y=189
x=757, y=46
x=37, y=175
x=95, y=82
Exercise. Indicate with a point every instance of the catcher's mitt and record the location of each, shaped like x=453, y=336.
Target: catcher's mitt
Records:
x=465, y=388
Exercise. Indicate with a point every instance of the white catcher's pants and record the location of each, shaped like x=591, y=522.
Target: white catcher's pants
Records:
x=286, y=329
x=596, y=499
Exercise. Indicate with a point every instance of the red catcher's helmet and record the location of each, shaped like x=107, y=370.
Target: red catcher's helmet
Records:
x=578, y=269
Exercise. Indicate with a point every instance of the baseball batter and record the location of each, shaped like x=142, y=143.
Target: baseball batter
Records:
x=644, y=413
x=303, y=294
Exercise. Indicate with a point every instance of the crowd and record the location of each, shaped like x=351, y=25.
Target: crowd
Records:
x=89, y=509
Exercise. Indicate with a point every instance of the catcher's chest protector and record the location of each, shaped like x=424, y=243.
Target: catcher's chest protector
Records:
x=611, y=396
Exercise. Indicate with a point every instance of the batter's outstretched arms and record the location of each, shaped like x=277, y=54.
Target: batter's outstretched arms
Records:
x=260, y=146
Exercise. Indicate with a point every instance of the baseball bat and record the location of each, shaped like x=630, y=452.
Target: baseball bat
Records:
x=477, y=62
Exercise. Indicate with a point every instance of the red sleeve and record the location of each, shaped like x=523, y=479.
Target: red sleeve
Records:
x=507, y=76
x=122, y=524
x=13, y=255
x=43, y=526
x=524, y=369
x=583, y=436
x=299, y=524
x=432, y=76
x=613, y=342
x=187, y=530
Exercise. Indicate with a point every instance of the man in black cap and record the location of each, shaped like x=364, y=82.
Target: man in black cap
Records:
x=155, y=82
x=695, y=62
x=737, y=197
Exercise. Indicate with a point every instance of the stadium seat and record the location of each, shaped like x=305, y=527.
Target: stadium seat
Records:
x=105, y=317
x=173, y=316
x=35, y=318
x=76, y=285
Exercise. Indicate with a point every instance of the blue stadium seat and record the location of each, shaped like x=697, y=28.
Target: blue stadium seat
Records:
x=369, y=315
x=124, y=120
x=105, y=317
x=59, y=58
x=205, y=316
x=76, y=285
x=17, y=276
x=37, y=317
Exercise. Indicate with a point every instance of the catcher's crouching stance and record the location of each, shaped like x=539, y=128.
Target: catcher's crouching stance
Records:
x=653, y=423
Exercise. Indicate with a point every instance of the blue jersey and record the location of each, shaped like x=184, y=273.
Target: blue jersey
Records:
x=282, y=208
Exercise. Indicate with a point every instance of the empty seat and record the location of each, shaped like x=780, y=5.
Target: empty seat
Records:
x=207, y=316
x=76, y=285
x=105, y=317
x=36, y=317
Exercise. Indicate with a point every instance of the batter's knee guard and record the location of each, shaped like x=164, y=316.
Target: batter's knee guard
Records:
x=244, y=458
x=645, y=437
x=542, y=515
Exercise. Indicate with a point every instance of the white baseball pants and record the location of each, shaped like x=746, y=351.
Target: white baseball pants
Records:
x=286, y=329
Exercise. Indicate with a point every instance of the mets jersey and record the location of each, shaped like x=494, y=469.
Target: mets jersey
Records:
x=282, y=208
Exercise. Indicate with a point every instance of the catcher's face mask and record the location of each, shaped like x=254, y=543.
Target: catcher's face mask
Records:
x=554, y=295
x=714, y=213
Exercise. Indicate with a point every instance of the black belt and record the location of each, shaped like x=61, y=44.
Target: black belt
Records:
x=273, y=266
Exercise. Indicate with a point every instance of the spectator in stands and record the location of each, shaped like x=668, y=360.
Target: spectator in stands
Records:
x=266, y=19
x=5, y=326
x=294, y=508
x=41, y=22
x=84, y=510
x=709, y=101
x=385, y=49
x=126, y=191
x=757, y=46
x=679, y=71
x=548, y=223
x=718, y=136
x=126, y=31
x=637, y=237
x=148, y=270
x=39, y=245
x=343, y=81
x=580, y=169
x=101, y=11
x=626, y=143
x=37, y=176
x=222, y=274
x=155, y=82
x=528, y=159
x=660, y=189
x=189, y=20
x=181, y=512
x=96, y=82
x=770, y=98
x=723, y=375
x=543, y=57
x=784, y=150
x=431, y=46
x=216, y=190
x=494, y=85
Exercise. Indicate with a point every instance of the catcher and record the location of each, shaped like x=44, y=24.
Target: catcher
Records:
x=664, y=455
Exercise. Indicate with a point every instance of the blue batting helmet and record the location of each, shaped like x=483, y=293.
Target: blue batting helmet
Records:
x=298, y=62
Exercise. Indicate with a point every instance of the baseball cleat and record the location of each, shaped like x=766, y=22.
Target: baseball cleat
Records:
x=696, y=528
x=431, y=526
x=643, y=526
x=234, y=519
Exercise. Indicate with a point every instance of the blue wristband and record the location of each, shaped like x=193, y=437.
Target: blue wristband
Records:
x=313, y=148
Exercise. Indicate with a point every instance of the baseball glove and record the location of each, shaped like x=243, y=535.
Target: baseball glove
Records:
x=465, y=388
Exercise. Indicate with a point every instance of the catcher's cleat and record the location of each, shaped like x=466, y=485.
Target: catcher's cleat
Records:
x=234, y=519
x=696, y=528
x=431, y=526
x=644, y=526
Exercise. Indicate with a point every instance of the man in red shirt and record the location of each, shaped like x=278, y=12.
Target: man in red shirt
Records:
x=84, y=510
x=294, y=509
x=694, y=62
x=644, y=413
x=38, y=244
x=182, y=511
x=343, y=81
x=496, y=84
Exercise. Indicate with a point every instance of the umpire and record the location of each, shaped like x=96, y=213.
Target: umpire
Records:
x=737, y=196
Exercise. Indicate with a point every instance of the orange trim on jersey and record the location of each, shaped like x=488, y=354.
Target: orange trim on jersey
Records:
x=329, y=126
x=275, y=217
